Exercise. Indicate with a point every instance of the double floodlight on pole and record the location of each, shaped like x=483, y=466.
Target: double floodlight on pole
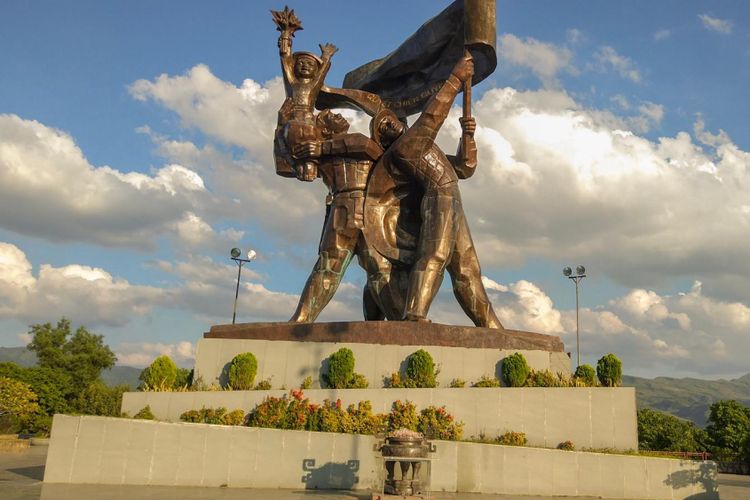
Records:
x=580, y=274
x=235, y=253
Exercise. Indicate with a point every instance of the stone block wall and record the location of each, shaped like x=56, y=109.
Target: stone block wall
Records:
x=591, y=417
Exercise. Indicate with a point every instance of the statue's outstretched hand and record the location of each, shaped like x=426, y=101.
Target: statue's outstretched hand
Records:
x=328, y=49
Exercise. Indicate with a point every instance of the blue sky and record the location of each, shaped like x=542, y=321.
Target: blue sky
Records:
x=133, y=155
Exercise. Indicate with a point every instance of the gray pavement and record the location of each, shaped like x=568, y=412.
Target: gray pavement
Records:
x=21, y=475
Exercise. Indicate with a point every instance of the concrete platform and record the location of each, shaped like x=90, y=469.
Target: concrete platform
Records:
x=21, y=476
x=390, y=333
x=103, y=450
x=590, y=417
x=288, y=363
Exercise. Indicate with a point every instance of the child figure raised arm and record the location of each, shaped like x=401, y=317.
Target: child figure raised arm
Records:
x=304, y=74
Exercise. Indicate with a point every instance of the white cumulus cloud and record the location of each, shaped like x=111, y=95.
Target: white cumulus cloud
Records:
x=86, y=294
x=723, y=26
x=48, y=189
x=608, y=58
x=543, y=59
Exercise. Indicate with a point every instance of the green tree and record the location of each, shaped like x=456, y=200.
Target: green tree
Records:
x=660, y=431
x=100, y=399
x=729, y=427
x=609, y=370
x=184, y=378
x=16, y=399
x=159, y=375
x=82, y=355
x=587, y=374
x=53, y=388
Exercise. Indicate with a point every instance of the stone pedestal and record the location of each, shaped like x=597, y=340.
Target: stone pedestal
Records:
x=287, y=353
x=99, y=450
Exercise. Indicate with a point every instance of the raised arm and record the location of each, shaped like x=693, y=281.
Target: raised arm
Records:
x=435, y=112
x=326, y=52
x=286, y=23
x=465, y=162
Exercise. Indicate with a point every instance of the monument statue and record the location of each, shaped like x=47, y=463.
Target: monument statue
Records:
x=394, y=198
x=303, y=74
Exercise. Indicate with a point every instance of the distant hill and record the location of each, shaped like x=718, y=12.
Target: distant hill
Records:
x=688, y=398
x=122, y=375
x=116, y=375
x=18, y=355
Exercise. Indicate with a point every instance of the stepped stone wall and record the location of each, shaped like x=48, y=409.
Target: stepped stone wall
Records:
x=104, y=450
x=591, y=417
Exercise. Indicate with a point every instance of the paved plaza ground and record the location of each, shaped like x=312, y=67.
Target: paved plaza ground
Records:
x=21, y=475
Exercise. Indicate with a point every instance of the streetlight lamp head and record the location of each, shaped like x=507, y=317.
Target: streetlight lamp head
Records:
x=567, y=271
x=251, y=254
x=236, y=252
x=580, y=269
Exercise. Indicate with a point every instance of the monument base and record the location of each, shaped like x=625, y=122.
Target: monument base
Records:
x=105, y=450
x=287, y=353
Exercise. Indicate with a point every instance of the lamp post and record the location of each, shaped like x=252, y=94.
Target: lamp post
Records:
x=580, y=274
x=235, y=256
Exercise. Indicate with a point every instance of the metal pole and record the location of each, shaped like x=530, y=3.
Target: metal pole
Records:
x=578, y=342
x=237, y=291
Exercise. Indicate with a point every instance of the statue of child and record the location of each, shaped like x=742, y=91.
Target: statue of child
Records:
x=303, y=73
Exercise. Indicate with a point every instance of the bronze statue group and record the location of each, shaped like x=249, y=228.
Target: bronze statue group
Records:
x=393, y=197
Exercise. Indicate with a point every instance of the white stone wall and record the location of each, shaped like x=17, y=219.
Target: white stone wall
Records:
x=287, y=363
x=103, y=450
x=591, y=417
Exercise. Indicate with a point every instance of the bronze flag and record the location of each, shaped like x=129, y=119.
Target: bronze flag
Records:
x=407, y=77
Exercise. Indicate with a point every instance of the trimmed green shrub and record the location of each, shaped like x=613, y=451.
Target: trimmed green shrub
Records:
x=609, y=370
x=515, y=370
x=512, y=439
x=341, y=371
x=242, y=371
x=586, y=374
x=145, y=414
x=340, y=368
x=420, y=370
x=306, y=383
x=486, y=381
x=159, y=375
